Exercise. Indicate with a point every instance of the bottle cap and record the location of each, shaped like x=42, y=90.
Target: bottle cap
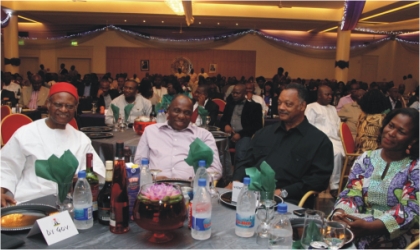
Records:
x=81, y=174
x=202, y=163
x=201, y=182
x=282, y=208
x=144, y=161
x=247, y=180
x=109, y=165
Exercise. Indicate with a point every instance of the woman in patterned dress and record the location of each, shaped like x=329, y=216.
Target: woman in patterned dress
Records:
x=374, y=107
x=380, y=203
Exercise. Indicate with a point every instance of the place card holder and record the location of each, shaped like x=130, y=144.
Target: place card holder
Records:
x=54, y=228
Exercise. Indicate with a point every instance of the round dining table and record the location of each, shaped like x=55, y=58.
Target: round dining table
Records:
x=105, y=147
x=222, y=233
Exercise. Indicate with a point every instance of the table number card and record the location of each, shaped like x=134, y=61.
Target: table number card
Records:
x=55, y=228
x=237, y=186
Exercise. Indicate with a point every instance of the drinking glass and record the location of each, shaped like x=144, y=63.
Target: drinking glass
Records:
x=115, y=124
x=334, y=234
x=213, y=190
x=312, y=228
x=265, y=213
x=154, y=172
x=64, y=199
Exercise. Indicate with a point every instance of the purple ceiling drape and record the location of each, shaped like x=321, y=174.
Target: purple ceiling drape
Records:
x=5, y=18
x=352, y=11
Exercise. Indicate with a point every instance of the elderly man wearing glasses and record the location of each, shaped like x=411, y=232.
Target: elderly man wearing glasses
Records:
x=40, y=140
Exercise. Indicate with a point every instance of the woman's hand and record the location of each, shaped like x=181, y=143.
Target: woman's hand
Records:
x=360, y=227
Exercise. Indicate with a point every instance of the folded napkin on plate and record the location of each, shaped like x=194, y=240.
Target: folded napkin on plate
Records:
x=115, y=112
x=263, y=180
x=59, y=170
x=199, y=151
x=127, y=110
x=203, y=113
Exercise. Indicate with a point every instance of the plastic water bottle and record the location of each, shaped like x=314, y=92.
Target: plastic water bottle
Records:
x=281, y=229
x=245, y=211
x=82, y=202
x=161, y=118
x=145, y=175
x=201, y=173
x=201, y=212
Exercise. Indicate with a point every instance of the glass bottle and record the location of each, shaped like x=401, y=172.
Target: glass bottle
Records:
x=104, y=196
x=120, y=216
x=93, y=180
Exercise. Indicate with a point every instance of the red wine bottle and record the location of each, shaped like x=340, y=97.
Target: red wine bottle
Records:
x=120, y=215
x=104, y=196
x=93, y=180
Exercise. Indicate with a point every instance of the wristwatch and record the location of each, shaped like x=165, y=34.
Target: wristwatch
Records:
x=283, y=193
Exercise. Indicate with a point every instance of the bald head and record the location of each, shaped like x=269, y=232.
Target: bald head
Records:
x=324, y=95
x=179, y=112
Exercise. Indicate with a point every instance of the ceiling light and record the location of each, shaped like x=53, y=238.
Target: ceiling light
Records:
x=390, y=11
x=237, y=24
x=199, y=22
x=218, y=23
x=125, y=21
x=333, y=28
x=144, y=21
x=176, y=6
x=163, y=21
x=27, y=19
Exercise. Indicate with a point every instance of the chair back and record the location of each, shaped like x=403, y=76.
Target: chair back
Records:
x=220, y=103
x=5, y=111
x=346, y=139
x=73, y=122
x=11, y=123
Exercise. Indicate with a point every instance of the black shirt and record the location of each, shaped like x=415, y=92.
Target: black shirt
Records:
x=302, y=158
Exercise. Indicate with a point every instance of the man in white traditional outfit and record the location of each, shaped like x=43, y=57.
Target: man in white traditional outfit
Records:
x=40, y=140
x=324, y=117
x=157, y=87
x=130, y=102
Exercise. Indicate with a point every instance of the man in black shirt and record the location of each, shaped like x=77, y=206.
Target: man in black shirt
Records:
x=300, y=154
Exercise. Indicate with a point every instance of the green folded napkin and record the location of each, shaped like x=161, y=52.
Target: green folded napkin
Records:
x=115, y=111
x=59, y=170
x=127, y=110
x=297, y=245
x=199, y=151
x=203, y=113
x=263, y=180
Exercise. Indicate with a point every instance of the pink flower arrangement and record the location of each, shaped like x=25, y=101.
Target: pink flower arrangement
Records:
x=160, y=192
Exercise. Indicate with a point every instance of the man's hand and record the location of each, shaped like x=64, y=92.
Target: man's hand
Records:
x=5, y=199
x=236, y=137
x=228, y=129
x=277, y=192
x=201, y=100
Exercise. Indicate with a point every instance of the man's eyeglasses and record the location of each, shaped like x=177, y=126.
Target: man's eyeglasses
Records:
x=61, y=105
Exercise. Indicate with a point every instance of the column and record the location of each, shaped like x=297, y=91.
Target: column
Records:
x=11, y=46
x=342, y=55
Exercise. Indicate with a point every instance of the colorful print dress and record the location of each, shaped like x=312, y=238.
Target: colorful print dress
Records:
x=394, y=199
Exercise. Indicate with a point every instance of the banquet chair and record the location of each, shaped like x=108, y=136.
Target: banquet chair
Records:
x=220, y=103
x=11, y=123
x=349, y=148
x=5, y=111
x=303, y=200
x=73, y=122
x=413, y=245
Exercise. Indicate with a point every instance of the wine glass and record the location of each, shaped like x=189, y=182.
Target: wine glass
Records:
x=207, y=122
x=115, y=124
x=213, y=190
x=334, y=234
x=154, y=172
x=265, y=213
x=94, y=107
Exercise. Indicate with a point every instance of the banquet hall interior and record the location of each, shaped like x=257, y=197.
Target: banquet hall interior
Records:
x=378, y=41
